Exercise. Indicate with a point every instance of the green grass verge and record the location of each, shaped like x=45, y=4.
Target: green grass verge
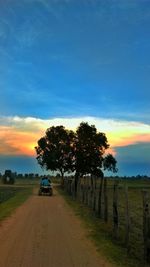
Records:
x=101, y=234
x=7, y=207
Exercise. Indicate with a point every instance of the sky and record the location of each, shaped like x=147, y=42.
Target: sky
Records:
x=67, y=61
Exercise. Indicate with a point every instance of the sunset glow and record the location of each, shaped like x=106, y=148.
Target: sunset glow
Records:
x=22, y=137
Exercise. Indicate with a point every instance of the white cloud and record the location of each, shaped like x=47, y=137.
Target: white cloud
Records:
x=102, y=124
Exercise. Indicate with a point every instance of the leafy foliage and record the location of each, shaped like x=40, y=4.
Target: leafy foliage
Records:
x=83, y=152
x=110, y=163
x=90, y=147
x=55, y=150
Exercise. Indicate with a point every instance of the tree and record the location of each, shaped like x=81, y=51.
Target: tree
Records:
x=8, y=177
x=90, y=149
x=109, y=163
x=83, y=152
x=55, y=150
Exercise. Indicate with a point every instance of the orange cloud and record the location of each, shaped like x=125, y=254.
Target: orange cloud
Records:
x=18, y=136
x=15, y=142
x=117, y=139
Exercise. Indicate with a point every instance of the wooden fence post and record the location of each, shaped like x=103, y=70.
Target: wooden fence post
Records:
x=115, y=210
x=79, y=188
x=100, y=197
x=87, y=190
x=73, y=189
x=91, y=192
x=84, y=190
x=70, y=182
x=105, y=201
x=127, y=216
x=94, y=195
x=146, y=226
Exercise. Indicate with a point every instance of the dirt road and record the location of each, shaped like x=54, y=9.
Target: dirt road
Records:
x=44, y=232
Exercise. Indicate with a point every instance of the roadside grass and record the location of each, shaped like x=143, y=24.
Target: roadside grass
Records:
x=19, y=197
x=27, y=181
x=101, y=234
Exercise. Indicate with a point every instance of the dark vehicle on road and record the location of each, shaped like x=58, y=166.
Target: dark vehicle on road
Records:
x=45, y=187
x=46, y=190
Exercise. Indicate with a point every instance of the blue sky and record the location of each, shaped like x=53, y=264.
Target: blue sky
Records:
x=76, y=59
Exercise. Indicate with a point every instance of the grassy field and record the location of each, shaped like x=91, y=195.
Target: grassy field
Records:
x=136, y=218
x=102, y=233
x=135, y=200
x=11, y=197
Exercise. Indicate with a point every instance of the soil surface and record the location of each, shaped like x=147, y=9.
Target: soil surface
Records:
x=44, y=232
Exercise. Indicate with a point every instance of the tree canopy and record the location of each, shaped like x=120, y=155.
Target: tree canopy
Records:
x=82, y=151
x=55, y=150
x=90, y=147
